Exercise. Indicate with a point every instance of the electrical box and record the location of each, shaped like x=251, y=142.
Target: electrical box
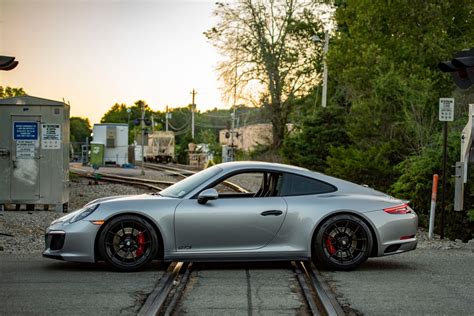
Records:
x=34, y=152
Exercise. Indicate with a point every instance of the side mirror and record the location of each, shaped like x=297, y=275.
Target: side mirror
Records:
x=206, y=195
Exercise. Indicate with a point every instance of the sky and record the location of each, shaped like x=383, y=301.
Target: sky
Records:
x=94, y=53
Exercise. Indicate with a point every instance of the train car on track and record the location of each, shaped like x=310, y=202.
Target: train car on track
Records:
x=160, y=147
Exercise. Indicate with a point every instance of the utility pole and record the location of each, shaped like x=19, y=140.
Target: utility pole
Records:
x=193, y=107
x=166, y=117
x=143, y=137
x=325, y=71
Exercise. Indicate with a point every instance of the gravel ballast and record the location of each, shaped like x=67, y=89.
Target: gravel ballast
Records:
x=22, y=232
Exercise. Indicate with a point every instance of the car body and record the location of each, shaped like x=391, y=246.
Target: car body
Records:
x=289, y=213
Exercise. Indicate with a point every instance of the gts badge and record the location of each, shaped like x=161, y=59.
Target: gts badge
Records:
x=185, y=247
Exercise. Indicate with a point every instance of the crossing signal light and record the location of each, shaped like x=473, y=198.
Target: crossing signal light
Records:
x=7, y=63
x=461, y=68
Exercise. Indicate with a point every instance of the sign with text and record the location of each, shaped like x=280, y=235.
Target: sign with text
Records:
x=25, y=149
x=50, y=136
x=25, y=130
x=446, y=109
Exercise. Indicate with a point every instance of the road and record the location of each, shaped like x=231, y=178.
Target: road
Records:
x=31, y=284
x=424, y=281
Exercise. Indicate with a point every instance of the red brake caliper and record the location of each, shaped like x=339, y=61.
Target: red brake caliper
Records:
x=329, y=245
x=141, y=244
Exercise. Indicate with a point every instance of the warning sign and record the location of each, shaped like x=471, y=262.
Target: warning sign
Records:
x=25, y=149
x=50, y=136
x=25, y=130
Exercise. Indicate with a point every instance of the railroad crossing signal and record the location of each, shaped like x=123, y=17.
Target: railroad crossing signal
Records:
x=7, y=63
x=461, y=68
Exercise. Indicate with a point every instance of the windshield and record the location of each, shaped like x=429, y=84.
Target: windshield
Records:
x=185, y=186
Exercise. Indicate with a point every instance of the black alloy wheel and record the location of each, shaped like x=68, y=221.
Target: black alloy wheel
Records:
x=128, y=243
x=343, y=242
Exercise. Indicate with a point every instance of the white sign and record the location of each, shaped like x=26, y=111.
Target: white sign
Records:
x=446, y=109
x=50, y=136
x=25, y=149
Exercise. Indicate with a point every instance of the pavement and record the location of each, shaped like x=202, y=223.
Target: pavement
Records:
x=31, y=284
x=420, y=282
x=242, y=289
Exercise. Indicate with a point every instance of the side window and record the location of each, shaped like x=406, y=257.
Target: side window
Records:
x=299, y=185
x=250, y=184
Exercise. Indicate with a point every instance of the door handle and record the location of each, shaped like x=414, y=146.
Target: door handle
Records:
x=271, y=212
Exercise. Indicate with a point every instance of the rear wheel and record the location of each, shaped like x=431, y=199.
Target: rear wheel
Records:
x=128, y=243
x=343, y=242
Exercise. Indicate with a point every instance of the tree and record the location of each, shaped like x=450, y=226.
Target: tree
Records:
x=80, y=129
x=383, y=64
x=8, y=92
x=308, y=146
x=268, y=48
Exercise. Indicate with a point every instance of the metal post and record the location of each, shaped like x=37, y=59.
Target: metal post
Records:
x=86, y=158
x=193, y=107
x=325, y=71
x=143, y=138
x=232, y=131
x=434, y=191
x=166, y=118
x=445, y=161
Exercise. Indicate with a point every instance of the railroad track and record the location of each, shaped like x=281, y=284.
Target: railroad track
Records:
x=167, y=293
x=99, y=176
x=178, y=172
x=317, y=293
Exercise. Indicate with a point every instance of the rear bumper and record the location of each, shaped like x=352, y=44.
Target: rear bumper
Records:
x=396, y=233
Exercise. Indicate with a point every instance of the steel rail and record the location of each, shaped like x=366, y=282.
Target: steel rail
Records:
x=317, y=293
x=156, y=302
x=171, y=171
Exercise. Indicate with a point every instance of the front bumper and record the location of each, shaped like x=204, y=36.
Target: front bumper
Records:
x=71, y=242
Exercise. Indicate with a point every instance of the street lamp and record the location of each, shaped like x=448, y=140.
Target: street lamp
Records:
x=316, y=38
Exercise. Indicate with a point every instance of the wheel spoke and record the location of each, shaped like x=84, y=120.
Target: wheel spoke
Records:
x=120, y=248
x=347, y=224
x=123, y=230
x=337, y=228
x=355, y=231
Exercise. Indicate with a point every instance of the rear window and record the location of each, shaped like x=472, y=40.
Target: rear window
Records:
x=299, y=185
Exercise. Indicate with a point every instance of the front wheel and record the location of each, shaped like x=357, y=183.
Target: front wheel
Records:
x=343, y=242
x=128, y=243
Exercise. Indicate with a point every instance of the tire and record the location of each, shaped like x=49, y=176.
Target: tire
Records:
x=128, y=243
x=343, y=242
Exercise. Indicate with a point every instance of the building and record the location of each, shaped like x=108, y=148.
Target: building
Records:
x=248, y=137
x=112, y=138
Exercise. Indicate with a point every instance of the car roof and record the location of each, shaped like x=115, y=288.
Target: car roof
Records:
x=239, y=165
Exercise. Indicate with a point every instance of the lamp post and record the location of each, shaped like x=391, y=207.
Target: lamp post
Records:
x=316, y=38
x=7, y=63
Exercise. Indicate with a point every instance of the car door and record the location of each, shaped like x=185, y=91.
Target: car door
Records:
x=234, y=222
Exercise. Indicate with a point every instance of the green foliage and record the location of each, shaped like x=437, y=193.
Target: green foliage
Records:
x=308, y=146
x=8, y=92
x=370, y=166
x=383, y=68
x=80, y=128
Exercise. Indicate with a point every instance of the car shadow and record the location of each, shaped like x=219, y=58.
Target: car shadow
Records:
x=98, y=267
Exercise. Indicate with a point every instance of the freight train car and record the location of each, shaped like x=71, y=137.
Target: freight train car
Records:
x=160, y=147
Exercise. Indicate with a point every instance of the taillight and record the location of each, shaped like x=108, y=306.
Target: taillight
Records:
x=399, y=209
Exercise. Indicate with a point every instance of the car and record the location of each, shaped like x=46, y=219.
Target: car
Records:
x=239, y=211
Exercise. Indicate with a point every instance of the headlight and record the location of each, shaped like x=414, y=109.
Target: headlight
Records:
x=86, y=212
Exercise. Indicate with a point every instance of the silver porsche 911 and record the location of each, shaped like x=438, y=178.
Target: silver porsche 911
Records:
x=239, y=211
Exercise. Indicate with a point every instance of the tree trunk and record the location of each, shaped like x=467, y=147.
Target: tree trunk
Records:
x=278, y=126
